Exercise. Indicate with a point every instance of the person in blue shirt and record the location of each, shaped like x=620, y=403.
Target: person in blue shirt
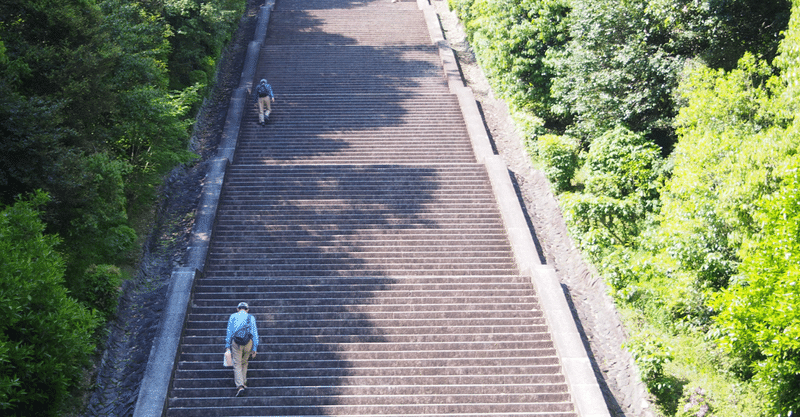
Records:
x=241, y=324
x=264, y=97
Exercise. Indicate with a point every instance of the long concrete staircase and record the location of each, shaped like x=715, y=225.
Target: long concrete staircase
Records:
x=367, y=240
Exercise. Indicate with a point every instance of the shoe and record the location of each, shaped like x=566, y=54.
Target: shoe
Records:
x=240, y=392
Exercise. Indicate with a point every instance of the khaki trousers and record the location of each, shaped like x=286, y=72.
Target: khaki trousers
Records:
x=240, y=355
x=263, y=102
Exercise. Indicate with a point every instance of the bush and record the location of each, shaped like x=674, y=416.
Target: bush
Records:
x=45, y=335
x=759, y=315
x=559, y=155
x=623, y=172
x=624, y=164
x=601, y=222
x=651, y=356
x=102, y=287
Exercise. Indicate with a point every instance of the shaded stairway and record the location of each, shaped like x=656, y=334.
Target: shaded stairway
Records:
x=367, y=240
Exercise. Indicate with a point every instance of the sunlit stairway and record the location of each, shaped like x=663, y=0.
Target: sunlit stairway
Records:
x=366, y=239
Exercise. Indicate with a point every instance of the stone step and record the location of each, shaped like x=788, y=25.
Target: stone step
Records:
x=204, y=344
x=357, y=310
x=372, y=293
x=390, y=390
x=377, y=5
x=355, y=129
x=279, y=316
x=265, y=379
x=415, y=323
x=262, y=368
x=336, y=27
x=386, y=248
x=437, y=282
x=338, y=76
x=351, y=270
x=299, y=398
x=249, y=407
x=272, y=359
x=208, y=359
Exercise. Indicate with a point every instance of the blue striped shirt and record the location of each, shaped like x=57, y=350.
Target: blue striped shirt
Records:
x=238, y=320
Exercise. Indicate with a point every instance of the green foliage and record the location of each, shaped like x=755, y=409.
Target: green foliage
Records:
x=728, y=216
x=639, y=81
x=615, y=69
x=623, y=164
x=147, y=124
x=200, y=29
x=511, y=38
x=737, y=27
x=101, y=288
x=559, y=155
x=95, y=228
x=94, y=113
x=759, y=315
x=45, y=336
x=651, y=356
x=722, y=164
x=620, y=190
x=31, y=140
x=96, y=104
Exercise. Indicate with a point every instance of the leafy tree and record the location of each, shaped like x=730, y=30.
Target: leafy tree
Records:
x=738, y=27
x=201, y=28
x=623, y=170
x=45, y=336
x=102, y=287
x=511, y=38
x=145, y=124
x=31, y=141
x=97, y=231
x=759, y=315
x=614, y=70
x=722, y=164
x=88, y=118
x=693, y=78
x=92, y=113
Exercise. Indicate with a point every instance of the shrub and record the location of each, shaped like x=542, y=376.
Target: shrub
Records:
x=651, y=355
x=623, y=172
x=102, y=286
x=559, y=155
x=759, y=315
x=45, y=335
